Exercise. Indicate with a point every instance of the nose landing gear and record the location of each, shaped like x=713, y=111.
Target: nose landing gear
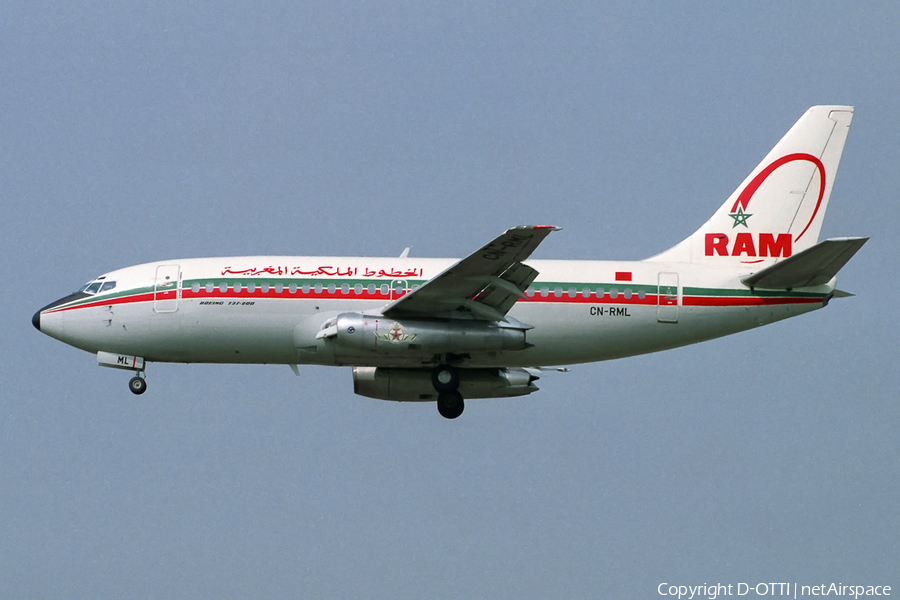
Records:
x=450, y=402
x=137, y=385
x=135, y=364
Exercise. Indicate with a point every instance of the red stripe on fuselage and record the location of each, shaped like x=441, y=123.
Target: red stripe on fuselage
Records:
x=647, y=300
x=745, y=301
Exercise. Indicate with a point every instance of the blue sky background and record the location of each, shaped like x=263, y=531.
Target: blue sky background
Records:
x=143, y=132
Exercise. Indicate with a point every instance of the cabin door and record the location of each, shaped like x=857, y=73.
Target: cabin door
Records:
x=167, y=289
x=668, y=298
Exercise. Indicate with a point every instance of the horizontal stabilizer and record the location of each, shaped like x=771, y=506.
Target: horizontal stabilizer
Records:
x=811, y=267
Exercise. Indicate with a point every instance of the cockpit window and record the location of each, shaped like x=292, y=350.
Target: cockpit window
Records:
x=98, y=286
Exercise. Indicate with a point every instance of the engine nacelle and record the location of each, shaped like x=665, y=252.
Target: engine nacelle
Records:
x=414, y=385
x=353, y=334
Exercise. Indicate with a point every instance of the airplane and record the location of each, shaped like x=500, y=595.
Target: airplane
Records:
x=431, y=329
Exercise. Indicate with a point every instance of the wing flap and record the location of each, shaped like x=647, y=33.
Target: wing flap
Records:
x=814, y=266
x=483, y=286
x=504, y=291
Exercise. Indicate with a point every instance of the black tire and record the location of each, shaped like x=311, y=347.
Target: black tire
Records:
x=445, y=378
x=137, y=385
x=450, y=404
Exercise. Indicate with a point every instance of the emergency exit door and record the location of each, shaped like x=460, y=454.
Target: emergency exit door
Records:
x=398, y=288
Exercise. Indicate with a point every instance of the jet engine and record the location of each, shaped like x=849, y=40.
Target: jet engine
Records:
x=415, y=385
x=354, y=334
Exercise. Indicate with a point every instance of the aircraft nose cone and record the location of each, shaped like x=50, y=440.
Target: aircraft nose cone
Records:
x=36, y=320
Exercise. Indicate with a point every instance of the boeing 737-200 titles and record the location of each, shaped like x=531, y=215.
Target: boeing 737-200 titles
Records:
x=419, y=329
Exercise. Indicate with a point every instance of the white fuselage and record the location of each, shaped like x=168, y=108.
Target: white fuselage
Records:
x=268, y=309
x=417, y=329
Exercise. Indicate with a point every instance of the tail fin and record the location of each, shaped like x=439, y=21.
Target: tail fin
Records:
x=778, y=210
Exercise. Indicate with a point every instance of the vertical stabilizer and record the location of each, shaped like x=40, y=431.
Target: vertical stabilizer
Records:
x=778, y=210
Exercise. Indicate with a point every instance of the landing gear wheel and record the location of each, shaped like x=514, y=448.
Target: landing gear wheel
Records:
x=137, y=385
x=450, y=404
x=445, y=378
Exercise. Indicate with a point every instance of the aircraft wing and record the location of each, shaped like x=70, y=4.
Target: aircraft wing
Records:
x=814, y=266
x=482, y=286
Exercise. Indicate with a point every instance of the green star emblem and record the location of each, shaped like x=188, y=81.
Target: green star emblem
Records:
x=740, y=218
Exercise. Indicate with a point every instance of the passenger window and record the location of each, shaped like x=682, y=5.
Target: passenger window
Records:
x=223, y=287
x=264, y=288
x=357, y=289
x=371, y=289
x=279, y=287
x=572, y=292
x=614, y=293
x=529, y=292
x=586, y=292
x=385, y=289
x=293, y=288
x=238, y=287
x=345, y=289
x=305, y=288
x=251, y=287
x=210, y=287
x=641, y=294
x=330, y=288
x=545, y=291
x=628, y=293
x=600, y=292
x=194, y=288
x=318, y=288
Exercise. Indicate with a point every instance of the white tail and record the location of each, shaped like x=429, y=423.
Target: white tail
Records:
x=778, y=210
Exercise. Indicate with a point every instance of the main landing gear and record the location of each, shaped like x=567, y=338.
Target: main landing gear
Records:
x=137, y=385
x=446, y=382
